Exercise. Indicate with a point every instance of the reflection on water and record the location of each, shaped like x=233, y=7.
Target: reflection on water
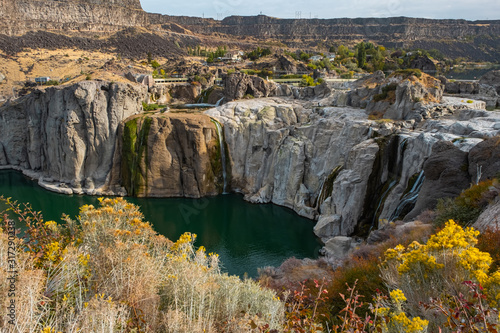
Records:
x=246, y=236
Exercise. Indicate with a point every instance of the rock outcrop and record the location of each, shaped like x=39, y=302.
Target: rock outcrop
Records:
x=399, y=96
x=65, y=136
x=489, y=218
x=486, y=89
x=491, y=79
x=484, y=160
x=166, y=155
x=424, y=63
x=239, y=85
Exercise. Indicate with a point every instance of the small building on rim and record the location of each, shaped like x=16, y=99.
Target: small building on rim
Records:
x=42, y=79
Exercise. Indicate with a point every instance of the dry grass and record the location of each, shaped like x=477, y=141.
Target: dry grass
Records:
x=117, y=275
x=62, y=64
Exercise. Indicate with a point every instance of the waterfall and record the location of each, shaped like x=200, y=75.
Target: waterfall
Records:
x=136, y=160
x=219, y=101
x=222, y=154
x=382, y=199
x=409, y=198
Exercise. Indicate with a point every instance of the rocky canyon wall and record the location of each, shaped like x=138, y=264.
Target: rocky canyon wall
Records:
x=65, y=136
x=20, y=16
x=335, y=165
x=167, y=155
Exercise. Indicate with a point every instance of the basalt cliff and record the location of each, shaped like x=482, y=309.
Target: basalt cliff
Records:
x=385, y=150
x=476, y=40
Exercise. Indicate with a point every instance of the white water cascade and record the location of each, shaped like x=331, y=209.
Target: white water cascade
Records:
x=222, y=154
x=219, y=101
x=409, y=198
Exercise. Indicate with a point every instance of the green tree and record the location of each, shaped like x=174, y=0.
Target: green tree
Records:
x=361, y=55
x=342, y=52
x=304, y=56
x=155, y=64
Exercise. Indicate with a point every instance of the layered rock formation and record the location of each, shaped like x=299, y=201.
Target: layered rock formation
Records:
x=335, y=165
x=18, y=17
x=65, y=137
x=476, y=40
x=452, y=37
x=167, y=155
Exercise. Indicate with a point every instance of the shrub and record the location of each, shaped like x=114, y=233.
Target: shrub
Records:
x=385, y=92
x=438, y=269
x=364, y=272
x=306, y=81
x=406, y=73
x=467, y=207
x=110, y=271
x=489, y=241
x=150, y=107
x=155, y=64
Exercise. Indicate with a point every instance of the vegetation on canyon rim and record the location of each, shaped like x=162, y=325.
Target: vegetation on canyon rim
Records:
x=109, y=270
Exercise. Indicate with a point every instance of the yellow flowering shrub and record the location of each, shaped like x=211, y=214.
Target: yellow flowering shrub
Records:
x=110, y=271
x=392, y=317
x=438, y=268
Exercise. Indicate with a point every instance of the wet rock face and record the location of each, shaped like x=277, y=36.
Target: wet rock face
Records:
x=67, y=134
x=446, y=175
x=166, y=155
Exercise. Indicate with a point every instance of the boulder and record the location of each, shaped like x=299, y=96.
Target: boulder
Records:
x=327, y=226
x=484, y=160
x=238, y=85
x=492, y=78
x=424, y=63
x=338, y=247
x=2, y=77
x=489, y=218
x=186, y=93
x=287, y=64
x=160, y=94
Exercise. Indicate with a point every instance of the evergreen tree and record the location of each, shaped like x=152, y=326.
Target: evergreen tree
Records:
x=361, y=55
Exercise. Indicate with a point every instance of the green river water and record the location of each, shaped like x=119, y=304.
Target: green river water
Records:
x=246, y=236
